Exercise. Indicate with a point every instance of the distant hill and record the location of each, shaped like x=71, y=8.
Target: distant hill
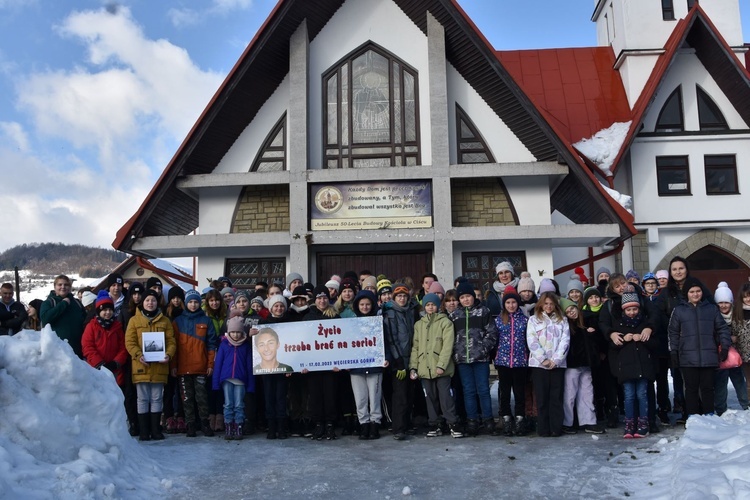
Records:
x=58, y=258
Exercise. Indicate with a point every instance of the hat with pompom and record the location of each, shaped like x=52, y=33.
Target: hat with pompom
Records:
x=104, y=301
x=723, y=293
x=630, y=298
x=525, y=283
x=547, y=286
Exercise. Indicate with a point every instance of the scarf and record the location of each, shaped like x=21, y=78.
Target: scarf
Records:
x=151, y=314
x=106, y=323
x=632, y=322
x=236, y=343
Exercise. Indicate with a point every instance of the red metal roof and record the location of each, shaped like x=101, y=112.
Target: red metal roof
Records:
x=576, y=87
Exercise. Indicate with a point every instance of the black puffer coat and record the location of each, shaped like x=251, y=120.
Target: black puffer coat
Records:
x=634, y=360
x=695, y=333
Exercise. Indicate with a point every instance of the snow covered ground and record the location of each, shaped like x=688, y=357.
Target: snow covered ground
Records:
x=63, y=435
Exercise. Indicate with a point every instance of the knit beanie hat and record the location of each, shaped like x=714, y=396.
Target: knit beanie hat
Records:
x=592, y=290
x=114, y=278
x=603, y=270
x=689, y=283
x=227, y=290
x=510, y=293
x=526, y=284
x=662, y=274
x=135, y=287
x=103, y=300
x=370, y=281
x=241, y=293
x=322, y=291
x=189, y=295
x=347, y=284
x=630, y=298
x=581, y=275
x=293, y=276
x=224, y=279
x=332, y=283
x=647, y=277
x=258, y=299
x=273, y=299
x=297, y=293
x=153, y=281
x=723, y=293
x=88, y=298
x=547, y=286
x=436, y=287
x=632, y=274
x=336, y=278
x=431, y=298
x=574, y=284
x=504, y=266
x=384, y=286
x=466, y=288
x=176, y=291
x=566, y=303
x=236, y=324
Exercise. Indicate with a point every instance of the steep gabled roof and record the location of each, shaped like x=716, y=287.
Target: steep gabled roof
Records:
x=168, y=211
x=697, y=31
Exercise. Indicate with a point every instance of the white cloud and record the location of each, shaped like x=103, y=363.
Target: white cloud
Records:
x=182, y=17
x=14, y=133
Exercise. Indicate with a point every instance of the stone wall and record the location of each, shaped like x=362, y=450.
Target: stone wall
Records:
x=641, y=264
x=480, y=202
x=262, y=209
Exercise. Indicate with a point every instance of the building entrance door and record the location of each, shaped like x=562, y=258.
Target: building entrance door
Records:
x=711, y=265
x=395, y=265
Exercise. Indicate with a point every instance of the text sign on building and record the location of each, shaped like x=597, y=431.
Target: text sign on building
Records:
x=371, y=205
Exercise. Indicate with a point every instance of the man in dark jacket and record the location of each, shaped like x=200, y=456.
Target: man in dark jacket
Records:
x=64, y=314
x=12, y=313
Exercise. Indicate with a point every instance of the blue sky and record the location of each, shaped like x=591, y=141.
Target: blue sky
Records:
x=95, y=97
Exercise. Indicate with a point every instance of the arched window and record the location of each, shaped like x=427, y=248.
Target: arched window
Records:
x=709, y=114
x=371, y=114
x=670, y=117
x=272, y=155
x=471, y=145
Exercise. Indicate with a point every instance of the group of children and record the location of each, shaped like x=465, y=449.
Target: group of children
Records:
x=555, y=354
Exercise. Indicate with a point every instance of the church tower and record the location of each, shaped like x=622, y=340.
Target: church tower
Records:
x=637, y=30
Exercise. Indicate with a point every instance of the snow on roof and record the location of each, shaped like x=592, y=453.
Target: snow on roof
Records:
x=623, y=199
x=603, y=147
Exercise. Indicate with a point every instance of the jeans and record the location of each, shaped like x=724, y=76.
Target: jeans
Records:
x=635, y=389
x=475, y=379
x=234, y=402
x=737, y=375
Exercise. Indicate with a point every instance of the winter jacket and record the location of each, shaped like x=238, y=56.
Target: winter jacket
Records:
x=139, y=323
x=398, y=332
x=102, y=345
x=511, y=341
x=12, y=317
x=583, y=351
x=196, y=342
x=611, y=313
x=494, y=298
x=432, y=346
x=234, y=362
x=373, y=312
x=476, y=335
x=634, y=360
x=547, y=338
x=695, y=333
x=742, y=331
x=65, y=318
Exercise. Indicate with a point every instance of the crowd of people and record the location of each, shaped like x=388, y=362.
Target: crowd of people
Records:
x=575, y=359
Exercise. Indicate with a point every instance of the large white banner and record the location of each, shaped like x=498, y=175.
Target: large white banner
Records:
x=319, y=345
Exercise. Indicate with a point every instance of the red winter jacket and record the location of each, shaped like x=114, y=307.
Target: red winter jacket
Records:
x=101, y=346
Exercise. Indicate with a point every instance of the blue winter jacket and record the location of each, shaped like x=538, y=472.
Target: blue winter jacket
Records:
x=234, y=362
x=695, y=332
x=511, y=341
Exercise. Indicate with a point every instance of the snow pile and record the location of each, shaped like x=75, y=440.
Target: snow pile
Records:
x=63, y=433
x=623, y=199
x=602, y=149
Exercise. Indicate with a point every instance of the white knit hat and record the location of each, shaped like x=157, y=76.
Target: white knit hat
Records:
x=723, y=293
x=504, y=266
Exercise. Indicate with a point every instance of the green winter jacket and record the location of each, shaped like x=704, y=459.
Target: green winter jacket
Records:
x=65, y=318
x=432, y=346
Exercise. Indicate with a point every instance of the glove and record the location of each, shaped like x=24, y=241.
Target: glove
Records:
x=723, y=355
x=401, y=374
x=111, y=365
x=675, y=359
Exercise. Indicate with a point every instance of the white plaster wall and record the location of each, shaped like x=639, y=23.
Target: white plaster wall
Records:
x=634, y=72
x=356, y=22
x=209, y=267
x=505, y=146
x=240, y=156
x=531, y=198
x=670, y=238
x=216, y=209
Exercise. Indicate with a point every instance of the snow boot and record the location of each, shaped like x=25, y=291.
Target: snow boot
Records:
x=520, y=427
x=156, y=433
x=492, y=429
x=271, y=434
x=282, y=430
x=219, y=423
x=642, y=428
x=319, y=431
x=374, y=430
x=629, y=428
x=191, y=430
x=171, y=425
x=613, y=417
x=229, y=431
x=330, y=431
x=507, y=425
x=144, y=426
x=239, y=433
x=181, y=425
x=206, y=428
x=364, y=431
x=472, y=428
